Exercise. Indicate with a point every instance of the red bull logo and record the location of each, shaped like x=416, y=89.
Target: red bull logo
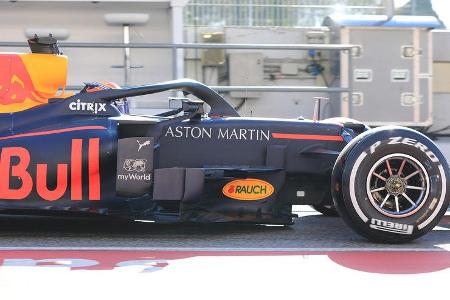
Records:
x=15, y=83
x=15, y=162
x=26, y=82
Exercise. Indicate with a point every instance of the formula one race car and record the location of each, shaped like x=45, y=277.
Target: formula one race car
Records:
x=83, y=153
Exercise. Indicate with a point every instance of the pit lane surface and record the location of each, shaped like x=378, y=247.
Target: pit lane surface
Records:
x=104, y=259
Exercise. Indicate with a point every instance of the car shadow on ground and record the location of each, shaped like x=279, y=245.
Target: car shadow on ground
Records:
x=310, y=231
x=105, y=225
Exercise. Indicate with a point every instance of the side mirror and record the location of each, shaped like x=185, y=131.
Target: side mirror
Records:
x=188, y=106
x=194, y=107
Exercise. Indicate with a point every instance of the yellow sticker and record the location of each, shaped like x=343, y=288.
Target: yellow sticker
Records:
x=248, y=189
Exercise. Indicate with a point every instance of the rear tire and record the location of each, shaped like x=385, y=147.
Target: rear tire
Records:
x=389, y=184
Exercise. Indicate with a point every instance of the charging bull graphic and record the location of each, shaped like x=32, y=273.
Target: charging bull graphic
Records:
x=137, y=165
x=15, y=82
x=25, y=81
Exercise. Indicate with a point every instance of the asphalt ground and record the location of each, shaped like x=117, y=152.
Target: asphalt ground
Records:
x=319, y=257
x=311, y=231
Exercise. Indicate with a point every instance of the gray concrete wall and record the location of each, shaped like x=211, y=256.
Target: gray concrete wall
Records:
x=85, y=22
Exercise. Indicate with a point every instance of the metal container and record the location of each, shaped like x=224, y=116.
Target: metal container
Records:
x=391, y=68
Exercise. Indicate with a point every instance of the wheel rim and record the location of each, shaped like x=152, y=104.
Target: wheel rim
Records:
x=397, y=185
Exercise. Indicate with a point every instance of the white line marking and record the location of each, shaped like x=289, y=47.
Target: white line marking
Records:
x=436, y=248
